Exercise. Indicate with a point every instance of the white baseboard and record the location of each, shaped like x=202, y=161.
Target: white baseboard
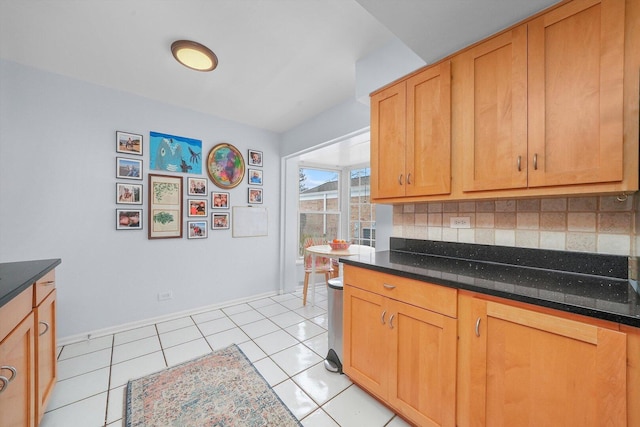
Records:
x=85, y=336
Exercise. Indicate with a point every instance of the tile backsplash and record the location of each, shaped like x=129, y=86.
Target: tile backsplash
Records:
x=596, y=224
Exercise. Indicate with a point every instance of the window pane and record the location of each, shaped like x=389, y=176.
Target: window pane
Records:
x=318, y=205
x=318, y=190
x=317, y=225
x=362, y=221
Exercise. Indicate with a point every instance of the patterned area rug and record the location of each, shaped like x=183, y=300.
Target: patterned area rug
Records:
x=220, y=389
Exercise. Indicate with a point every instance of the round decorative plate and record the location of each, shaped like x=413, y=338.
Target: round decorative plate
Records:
x=225, y=166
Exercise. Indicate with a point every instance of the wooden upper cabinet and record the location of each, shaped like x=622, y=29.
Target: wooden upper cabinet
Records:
x=547, y=107
x=493, y=83
x=576, y=61
x=388, y=140
x=428, y=154
x=411, y=136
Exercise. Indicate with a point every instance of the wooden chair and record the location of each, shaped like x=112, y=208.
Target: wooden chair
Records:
x=323, y=265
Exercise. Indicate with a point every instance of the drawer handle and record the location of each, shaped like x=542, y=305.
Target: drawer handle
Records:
x=5, y=384
x=388, y=286
x=382, y=317
x=46, y=328
x=478, y=327
x=391, y=321
x=13, y=370
x=48, y=283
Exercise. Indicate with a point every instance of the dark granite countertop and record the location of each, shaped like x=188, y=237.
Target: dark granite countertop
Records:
x=587, y=284
x=15, y=277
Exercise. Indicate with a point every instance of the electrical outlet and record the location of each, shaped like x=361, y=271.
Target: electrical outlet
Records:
x=163, y=296
x=460, y=222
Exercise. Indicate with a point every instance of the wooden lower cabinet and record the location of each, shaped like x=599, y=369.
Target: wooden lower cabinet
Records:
x=401, y=353
x=527, y=368
x=45, y=314
x=28, y=354
x=17, y=365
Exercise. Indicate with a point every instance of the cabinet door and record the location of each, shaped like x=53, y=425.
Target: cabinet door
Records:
x=422, y=365
x=494, y=113
x=388, y=138
x=366, y=340
x=533, y=369
x=17, y=397
x=428, y=153
x=45, y=352
x=576, y=59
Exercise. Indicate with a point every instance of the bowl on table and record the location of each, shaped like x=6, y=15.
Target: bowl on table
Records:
x=339, y=245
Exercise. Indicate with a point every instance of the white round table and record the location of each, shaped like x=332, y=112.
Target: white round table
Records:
x=326, y=251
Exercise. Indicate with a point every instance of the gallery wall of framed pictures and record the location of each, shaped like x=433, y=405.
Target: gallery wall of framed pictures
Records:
x=171, y=198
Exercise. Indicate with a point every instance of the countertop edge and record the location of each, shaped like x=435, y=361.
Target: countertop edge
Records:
x=29, y=278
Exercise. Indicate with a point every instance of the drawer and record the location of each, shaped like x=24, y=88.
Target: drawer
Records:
x=439, y=299
x=12, y=313
x=43, y=287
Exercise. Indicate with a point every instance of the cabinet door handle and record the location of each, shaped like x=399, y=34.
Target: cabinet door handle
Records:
x=5, y=383
x=409, y=179
x=388, y=286
x=382, y=317
x=478, y=327
x=46, y=328
x=400, y=179
x=535, y=161
x=391, y=321
x=13, y=370
x=519, y=163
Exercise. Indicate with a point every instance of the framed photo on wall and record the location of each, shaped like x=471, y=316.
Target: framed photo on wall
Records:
x=255, y=195
x=219, y=200
x=128, y=143
x=197, y=207
x=220, y=220
x=197, y=229
x=128, y=194
x=165, y=206
x=128, y=219
x=197, y=186
x=255, y=158
x=255, y=176
x=128, y=168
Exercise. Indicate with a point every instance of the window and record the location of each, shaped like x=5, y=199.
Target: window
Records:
x=319, y=204
x=362, y=214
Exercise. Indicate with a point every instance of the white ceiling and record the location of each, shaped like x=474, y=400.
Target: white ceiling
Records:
x=281, y=61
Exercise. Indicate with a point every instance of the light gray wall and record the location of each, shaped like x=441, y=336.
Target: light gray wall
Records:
x=57, y=200
x=330, y=125
x=383, y=66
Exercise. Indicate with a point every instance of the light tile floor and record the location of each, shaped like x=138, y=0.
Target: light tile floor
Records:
x=286, y=341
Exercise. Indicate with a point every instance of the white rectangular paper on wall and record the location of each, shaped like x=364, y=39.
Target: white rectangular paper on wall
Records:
x=249, y=221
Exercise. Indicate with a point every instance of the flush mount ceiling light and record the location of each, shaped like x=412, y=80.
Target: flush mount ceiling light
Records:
x=194, y=55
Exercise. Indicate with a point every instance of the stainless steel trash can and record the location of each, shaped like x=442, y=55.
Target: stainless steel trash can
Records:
x=332, y=361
